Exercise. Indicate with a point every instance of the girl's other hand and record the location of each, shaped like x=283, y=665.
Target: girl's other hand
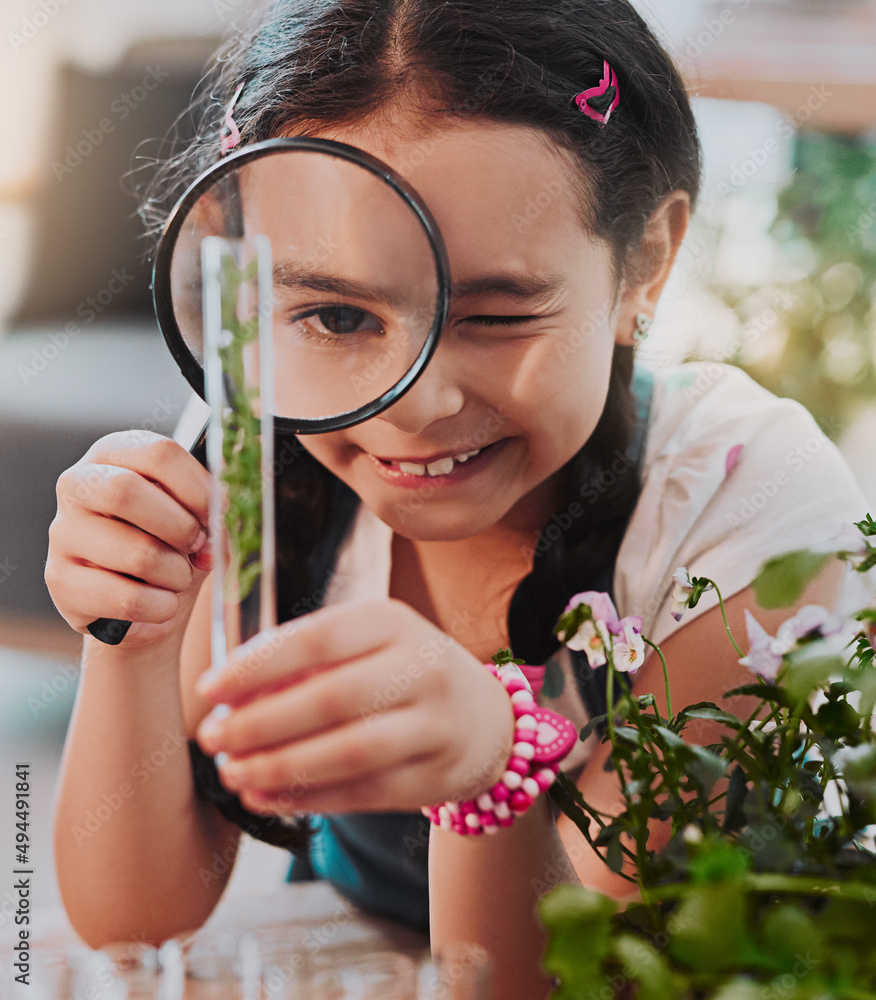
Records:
x=129, y=539
x=359, y=707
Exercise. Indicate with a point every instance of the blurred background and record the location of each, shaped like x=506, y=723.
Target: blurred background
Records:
x=778, y=274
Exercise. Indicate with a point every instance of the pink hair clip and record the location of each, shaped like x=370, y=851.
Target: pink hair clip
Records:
x=599, y=102
x=230, y=131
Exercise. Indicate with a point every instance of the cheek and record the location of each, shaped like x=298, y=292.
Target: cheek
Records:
x=560, y=389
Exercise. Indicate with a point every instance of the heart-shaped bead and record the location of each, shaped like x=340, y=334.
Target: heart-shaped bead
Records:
x=555, y=736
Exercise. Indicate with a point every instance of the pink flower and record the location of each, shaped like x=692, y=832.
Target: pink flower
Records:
x=811, y=620
x=765, y=652
x=599, y=603
x=732, y=458
x=594, y=635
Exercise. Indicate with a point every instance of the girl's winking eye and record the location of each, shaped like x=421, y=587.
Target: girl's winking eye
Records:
x=500, y=320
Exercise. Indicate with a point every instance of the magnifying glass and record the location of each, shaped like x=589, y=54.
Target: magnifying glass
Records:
x=359, y=279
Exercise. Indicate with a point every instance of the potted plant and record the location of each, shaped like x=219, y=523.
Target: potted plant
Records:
x=766, y=888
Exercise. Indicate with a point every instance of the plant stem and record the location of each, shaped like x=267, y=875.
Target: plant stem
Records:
x=659, y=651
x=726, y=623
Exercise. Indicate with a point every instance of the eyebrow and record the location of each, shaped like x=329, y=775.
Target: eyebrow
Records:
x=520, y=286
x=288, y=275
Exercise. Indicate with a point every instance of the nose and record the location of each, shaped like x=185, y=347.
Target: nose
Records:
x=437, y=394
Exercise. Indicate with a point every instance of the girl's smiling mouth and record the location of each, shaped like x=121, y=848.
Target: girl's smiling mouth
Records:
x=436, y=469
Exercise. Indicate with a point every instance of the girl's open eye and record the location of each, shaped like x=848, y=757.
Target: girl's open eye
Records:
x=331, y=322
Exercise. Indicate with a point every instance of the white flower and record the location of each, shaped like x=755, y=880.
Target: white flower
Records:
x=629, y=647
x=593, y=639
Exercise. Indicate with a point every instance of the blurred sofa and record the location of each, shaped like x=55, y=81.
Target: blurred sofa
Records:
x=83, y=355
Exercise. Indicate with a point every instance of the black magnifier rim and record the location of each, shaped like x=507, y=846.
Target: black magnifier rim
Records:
x=161, y=275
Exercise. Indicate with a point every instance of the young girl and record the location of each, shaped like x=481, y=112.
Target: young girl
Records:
x=555, y=145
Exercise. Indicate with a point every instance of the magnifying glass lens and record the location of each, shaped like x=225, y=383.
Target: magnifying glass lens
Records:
x=357, y=282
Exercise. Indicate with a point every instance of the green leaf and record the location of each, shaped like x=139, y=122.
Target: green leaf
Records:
x=766, y=692
x=645, y=966
x=629, y=735
x=505, y=656
x=705, y=767
x=708, y=710
x=808, y=669
x=783, y=579
x=594, y=723
x=671, y=738
x=867, y=527
x=579, y=923
x=737, y=787
x=710, y=928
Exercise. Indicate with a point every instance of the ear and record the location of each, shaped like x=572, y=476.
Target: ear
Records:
x=650, y=263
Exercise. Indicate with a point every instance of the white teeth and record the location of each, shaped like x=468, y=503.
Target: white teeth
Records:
x=443, y=467
x=412, y=469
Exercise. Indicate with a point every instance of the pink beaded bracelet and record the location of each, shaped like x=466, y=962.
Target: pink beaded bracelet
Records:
x=541, y=740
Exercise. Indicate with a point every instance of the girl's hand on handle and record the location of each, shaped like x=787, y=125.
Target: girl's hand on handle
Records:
x=129, y=540
x=359, y=707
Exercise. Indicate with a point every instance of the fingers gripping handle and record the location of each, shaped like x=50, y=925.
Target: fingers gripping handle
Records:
x=112, y=630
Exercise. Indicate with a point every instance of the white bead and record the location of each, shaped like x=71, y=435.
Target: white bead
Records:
x=521, y=698
x=472, y=822
x=491, y=829
x=453, y=808
x=546, y=776
x=484, y=802
x=530, y=786
x=512, y=779
x=527, y=722
x=524, y=750
x=502, y=810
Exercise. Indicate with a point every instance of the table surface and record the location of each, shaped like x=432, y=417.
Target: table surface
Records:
x=317, y=915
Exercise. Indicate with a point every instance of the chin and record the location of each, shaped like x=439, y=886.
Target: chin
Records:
x=433, y=526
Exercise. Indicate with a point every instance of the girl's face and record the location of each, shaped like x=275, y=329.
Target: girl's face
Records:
x=521, y=372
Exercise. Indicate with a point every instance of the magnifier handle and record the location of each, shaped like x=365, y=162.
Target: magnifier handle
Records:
x=112, y=630
x=109, y=630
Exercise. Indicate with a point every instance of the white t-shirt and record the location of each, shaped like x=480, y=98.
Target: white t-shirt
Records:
x=789, y=488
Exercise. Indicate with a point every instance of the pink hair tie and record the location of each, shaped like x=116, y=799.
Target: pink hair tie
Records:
x=230, y=131
x=599, y=102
